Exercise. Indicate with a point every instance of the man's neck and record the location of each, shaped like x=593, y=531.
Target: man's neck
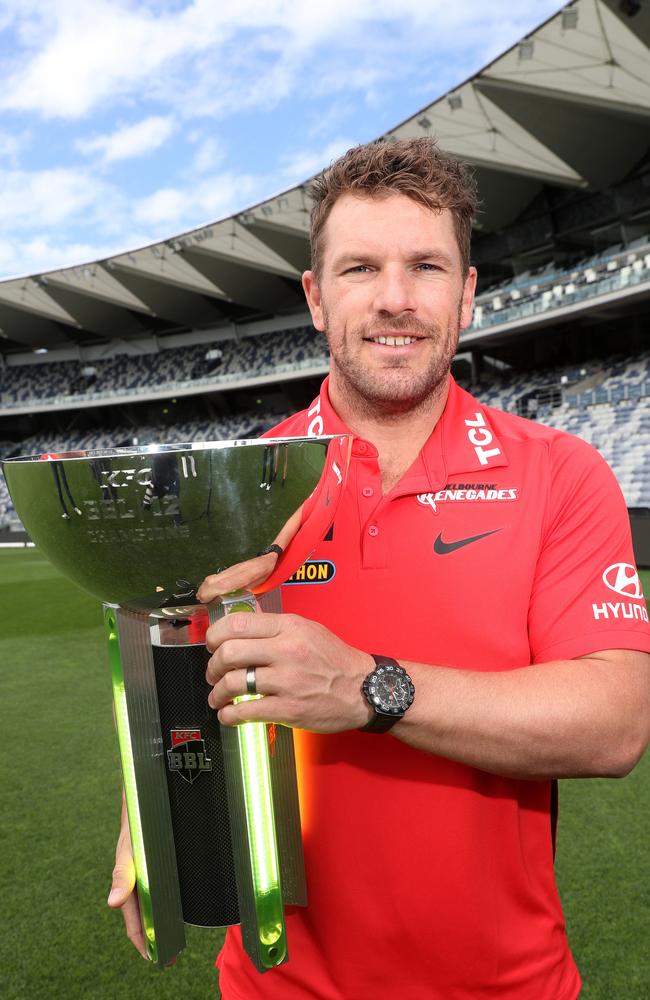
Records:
x=398, y=437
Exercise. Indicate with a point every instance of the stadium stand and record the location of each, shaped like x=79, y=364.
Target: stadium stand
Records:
x=61, y=382
x=530, y=294
x=550, y=288
x=605, y=402
x=534, y=394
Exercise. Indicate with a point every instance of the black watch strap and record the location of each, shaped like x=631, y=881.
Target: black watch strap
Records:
x=380, y=723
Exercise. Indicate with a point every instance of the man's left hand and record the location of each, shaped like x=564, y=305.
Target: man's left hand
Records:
x=311, y=679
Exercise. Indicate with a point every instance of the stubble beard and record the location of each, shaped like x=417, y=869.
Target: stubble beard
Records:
x=396, y=390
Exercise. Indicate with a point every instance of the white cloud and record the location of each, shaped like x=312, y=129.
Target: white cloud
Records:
x=45, y=252
x=131, y=140
x=212, y=198
x=208, y=155
x=207, y=58
x=166, y=205
x=93, y=52
x=42, y=253
x=176, y=66
x=47, y=197
x=11, y=145
x=298, y=166
x=53, y=218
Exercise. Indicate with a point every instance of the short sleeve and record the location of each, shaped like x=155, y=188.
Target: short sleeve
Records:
x=586, y=594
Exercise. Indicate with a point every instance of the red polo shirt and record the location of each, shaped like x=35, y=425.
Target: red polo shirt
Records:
x=505, y=544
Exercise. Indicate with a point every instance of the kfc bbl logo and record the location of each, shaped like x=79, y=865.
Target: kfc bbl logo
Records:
x=187, y=755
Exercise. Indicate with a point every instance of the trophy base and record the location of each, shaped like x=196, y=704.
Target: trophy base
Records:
x=184, y=788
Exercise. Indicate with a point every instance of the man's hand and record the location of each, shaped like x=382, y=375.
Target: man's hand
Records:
x=311, y=678
x=243, y=575
x=122, y=895
x=252, y=572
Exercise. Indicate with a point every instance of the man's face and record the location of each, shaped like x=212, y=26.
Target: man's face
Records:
x=391, y=299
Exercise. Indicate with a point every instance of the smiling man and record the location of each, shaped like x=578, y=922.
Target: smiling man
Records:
x=462, y=654
x=392, y=294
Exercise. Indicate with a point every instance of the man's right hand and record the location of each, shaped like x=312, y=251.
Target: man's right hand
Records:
x=122, y=895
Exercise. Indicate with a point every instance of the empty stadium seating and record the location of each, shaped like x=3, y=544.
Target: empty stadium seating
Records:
x=276, y=352
x=552, y=288
x=605, y=402
x=64, y=381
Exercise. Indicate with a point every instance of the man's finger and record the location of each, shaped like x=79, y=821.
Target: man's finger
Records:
x=235, y=656
x=122, y=896
x=133, y=924
x=243, y=625
x=235, y=683
x=241, y=576
x=123, y=883
x=268, y=709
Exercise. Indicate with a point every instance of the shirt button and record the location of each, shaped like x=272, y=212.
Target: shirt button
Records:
x=373, y=530
x=362, y=448
x=367, y=491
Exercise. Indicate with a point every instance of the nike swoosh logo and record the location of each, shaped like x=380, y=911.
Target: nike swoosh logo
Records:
x=442, y=548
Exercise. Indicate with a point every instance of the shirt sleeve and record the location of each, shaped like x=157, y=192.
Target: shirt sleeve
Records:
x=586, y=594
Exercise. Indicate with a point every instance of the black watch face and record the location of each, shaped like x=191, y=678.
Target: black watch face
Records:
x=390, y=690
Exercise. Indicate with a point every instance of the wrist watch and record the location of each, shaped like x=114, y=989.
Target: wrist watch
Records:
x=389, y=690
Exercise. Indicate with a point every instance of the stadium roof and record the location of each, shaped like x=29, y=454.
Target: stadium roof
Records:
x=569, y=106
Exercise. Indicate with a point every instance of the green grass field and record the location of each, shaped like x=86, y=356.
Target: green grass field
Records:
x=60, y=817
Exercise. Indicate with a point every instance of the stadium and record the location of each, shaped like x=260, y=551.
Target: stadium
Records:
x=205, y=336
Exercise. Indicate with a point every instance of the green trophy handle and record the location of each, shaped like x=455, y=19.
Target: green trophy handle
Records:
x=130, y=790
x=260, y=824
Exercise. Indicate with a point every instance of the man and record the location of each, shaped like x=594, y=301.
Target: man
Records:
x=473, y=553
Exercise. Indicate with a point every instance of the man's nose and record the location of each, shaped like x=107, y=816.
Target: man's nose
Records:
x=394, y=292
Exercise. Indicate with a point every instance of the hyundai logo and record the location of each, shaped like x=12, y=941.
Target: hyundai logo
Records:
x=623, y=579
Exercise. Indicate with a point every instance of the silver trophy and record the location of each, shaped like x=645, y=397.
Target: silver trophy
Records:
x=213, y=810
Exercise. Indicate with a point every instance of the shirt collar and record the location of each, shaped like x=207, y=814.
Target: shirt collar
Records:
x=462, y=441
x=469, y=441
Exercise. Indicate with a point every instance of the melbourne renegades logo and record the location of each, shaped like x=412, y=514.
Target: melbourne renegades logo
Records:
x=187, y=755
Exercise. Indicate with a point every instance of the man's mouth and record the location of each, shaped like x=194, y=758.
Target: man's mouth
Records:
x=393, y=341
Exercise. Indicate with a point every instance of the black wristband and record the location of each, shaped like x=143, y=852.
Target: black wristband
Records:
x=271, y=548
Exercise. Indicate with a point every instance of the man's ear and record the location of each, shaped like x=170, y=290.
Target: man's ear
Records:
x=467, y=302
x=312, y=294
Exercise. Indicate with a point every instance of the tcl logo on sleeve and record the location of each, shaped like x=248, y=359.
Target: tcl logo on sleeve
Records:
x=623, y=579
x=480, y=438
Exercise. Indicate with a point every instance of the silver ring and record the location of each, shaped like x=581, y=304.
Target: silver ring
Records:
x=251, y=687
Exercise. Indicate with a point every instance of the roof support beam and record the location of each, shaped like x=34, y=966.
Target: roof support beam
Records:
x=491, y=85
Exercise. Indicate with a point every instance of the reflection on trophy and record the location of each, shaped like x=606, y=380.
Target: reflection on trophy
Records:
x=213, y=811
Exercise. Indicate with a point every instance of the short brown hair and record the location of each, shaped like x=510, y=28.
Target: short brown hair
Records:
x=416, y=168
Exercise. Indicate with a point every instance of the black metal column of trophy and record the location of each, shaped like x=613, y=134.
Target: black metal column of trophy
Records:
x=213, y=811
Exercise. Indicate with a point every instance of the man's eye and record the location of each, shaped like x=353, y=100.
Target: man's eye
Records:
x=426, y=266
x=357, y=269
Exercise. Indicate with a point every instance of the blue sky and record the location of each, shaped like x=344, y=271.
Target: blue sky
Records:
x=127, y=121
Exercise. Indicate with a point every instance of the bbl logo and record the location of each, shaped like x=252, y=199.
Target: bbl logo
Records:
x=187, y=755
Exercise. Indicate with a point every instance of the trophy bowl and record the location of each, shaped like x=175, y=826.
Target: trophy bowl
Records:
x=213, y=811
x=138, y=526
